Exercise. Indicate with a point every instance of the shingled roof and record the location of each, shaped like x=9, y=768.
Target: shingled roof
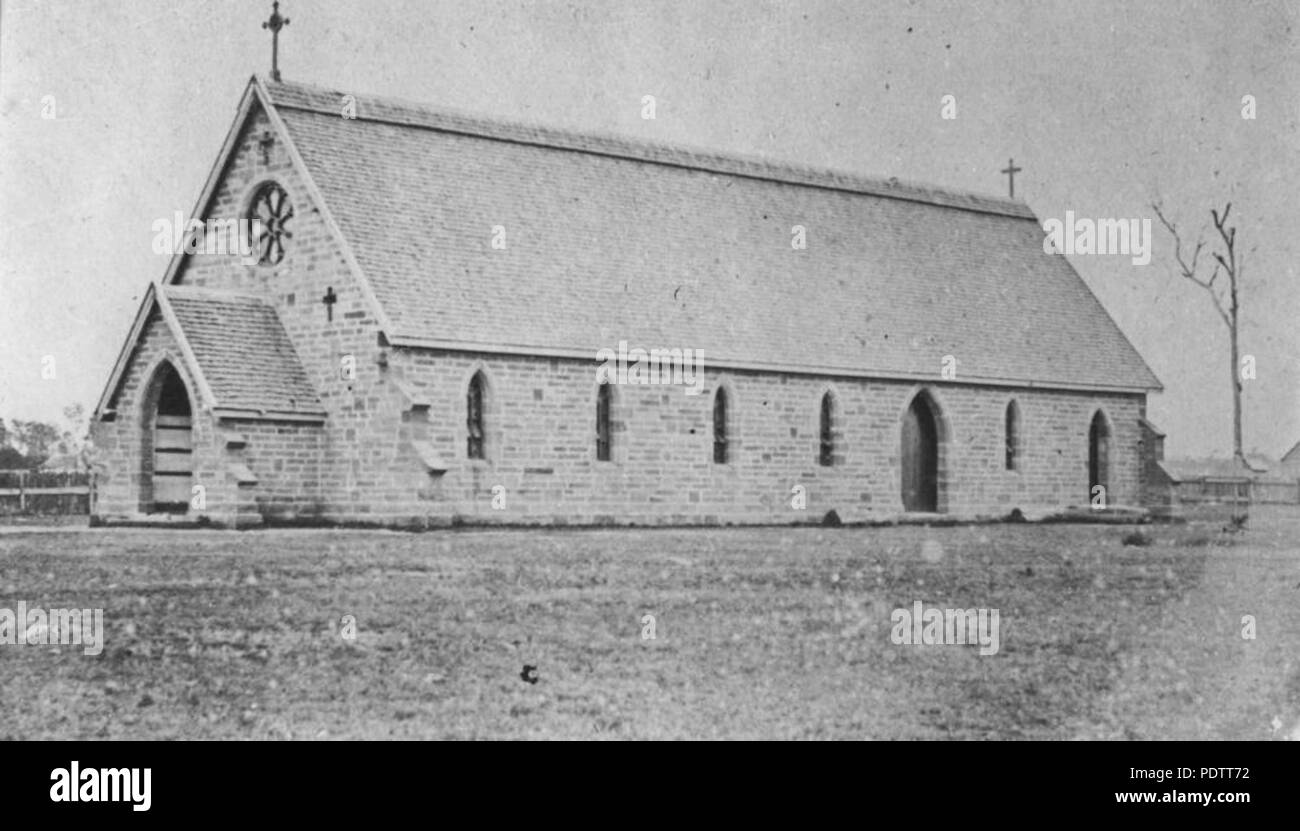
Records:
x=236, y=349
x=611, y=239
x=243, y=350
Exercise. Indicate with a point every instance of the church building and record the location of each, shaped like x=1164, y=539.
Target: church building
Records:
x=421, y=335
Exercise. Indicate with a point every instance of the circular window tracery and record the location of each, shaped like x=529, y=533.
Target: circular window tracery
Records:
x=270, y=206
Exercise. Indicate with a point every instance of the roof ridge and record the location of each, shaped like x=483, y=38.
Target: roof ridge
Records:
x=178, y=289
x=403, y=112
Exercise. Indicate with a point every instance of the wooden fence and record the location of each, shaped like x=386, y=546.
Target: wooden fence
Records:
x=45, y=492
x=1213, y=491
x=1237, y=493
x=1278, y=492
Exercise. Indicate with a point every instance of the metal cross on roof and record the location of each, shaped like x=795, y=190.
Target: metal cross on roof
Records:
x=1011, y=170
x=275, y=24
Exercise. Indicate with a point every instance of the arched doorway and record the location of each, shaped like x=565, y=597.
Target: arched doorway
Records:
x=168, y=444
x=920, y=456
x=1098, y=457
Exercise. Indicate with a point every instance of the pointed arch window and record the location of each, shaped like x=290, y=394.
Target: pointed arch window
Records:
x=603, y=441
x=720, y=439
x=1012, y=434
x=474, y=417
x=826, y=453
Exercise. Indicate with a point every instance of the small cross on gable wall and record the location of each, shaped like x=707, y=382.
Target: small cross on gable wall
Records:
x=265, y=143
x=329, y=300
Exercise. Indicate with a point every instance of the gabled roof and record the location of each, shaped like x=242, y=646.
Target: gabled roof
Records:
x=65, y=462
x=1259, y=463
x=611, y=239
x=244, y=352
x=1183, y=470
x=410, y=114
x=1292, y=455
x=1150, y=426
x=234, y=347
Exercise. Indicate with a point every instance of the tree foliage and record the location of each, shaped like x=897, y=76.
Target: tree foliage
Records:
x=29, y=444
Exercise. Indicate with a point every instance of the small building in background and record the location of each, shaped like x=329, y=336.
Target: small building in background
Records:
x=1290, y=464
x=1218, y=485
x=66, y=463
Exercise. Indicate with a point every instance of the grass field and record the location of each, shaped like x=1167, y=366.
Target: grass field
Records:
x=759, y=633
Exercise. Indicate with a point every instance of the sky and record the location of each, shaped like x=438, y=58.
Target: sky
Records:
x=1106, y=107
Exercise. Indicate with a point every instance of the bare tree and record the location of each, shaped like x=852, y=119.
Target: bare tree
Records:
x=1226, y=300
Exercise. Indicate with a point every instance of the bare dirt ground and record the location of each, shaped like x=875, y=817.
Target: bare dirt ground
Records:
x=759, y=633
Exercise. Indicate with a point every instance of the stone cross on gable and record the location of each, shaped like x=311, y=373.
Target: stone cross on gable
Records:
x=275, y=24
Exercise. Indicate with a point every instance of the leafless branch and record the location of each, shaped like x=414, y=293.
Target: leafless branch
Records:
x=1188, y=270
x=1225, y=262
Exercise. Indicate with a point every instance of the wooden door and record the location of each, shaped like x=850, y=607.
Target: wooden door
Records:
x=173, y=466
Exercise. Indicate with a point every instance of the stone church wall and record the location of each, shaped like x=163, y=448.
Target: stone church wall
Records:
x=294, y=462
x=124, y=460
x=541, y=462
x=283, y=458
